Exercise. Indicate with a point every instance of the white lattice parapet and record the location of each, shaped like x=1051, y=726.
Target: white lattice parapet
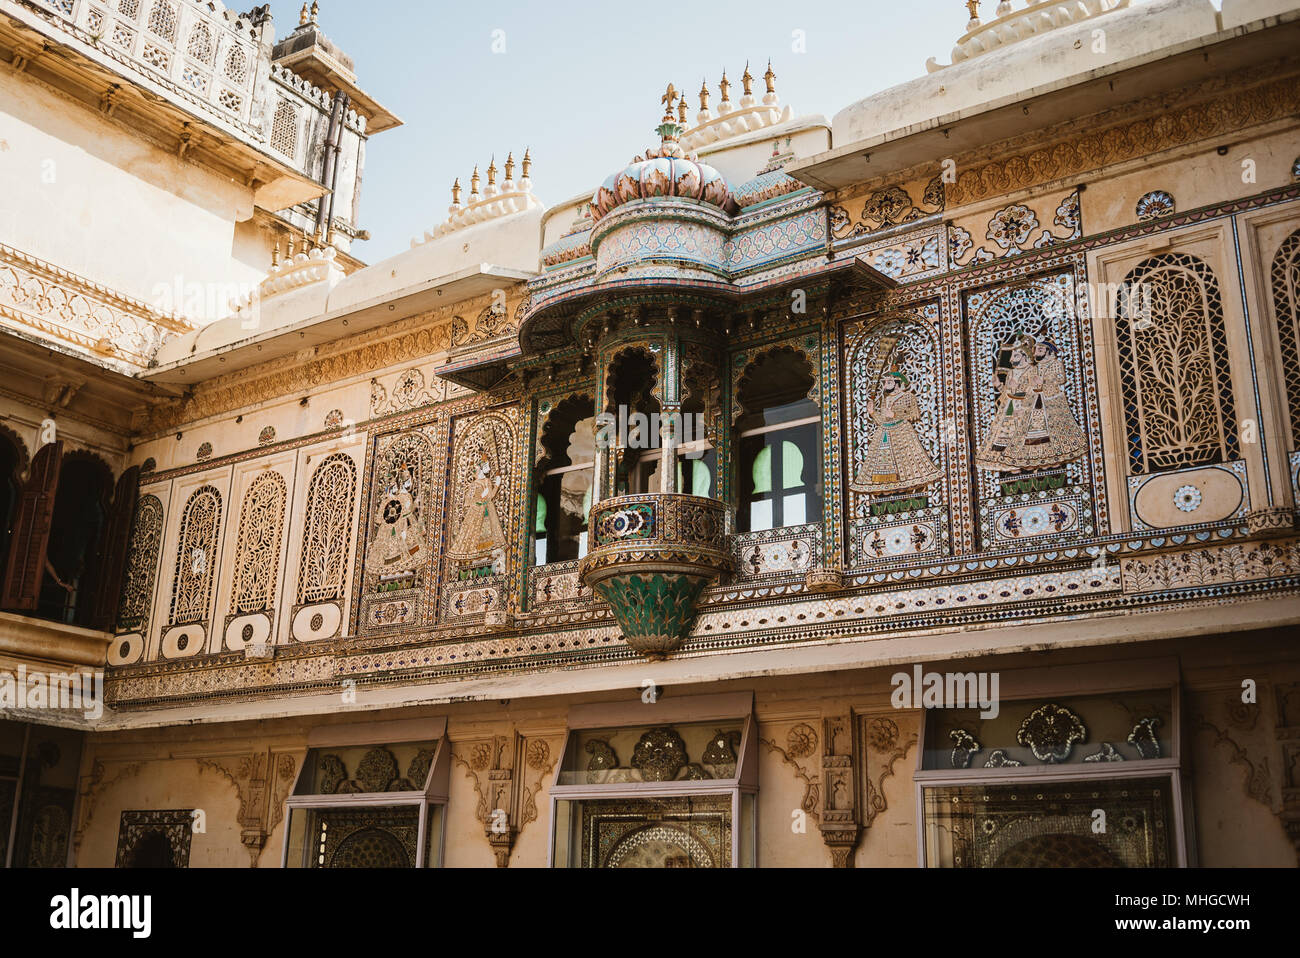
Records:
x=1011, y=25
x=204, y=52
x=116, y=330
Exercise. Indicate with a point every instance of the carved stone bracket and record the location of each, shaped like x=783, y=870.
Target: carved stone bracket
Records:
x=491, y=765
x=839, y=817
x=883, y=744
x=262, y=780
x=801, y=743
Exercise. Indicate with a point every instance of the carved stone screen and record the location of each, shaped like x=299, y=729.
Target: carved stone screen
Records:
x=1076, y=730
x=687, y=753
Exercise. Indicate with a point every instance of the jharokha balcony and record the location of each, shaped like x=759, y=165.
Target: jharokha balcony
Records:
x=652, y=556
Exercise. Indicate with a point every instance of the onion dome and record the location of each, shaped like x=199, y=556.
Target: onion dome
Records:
x=665, y=171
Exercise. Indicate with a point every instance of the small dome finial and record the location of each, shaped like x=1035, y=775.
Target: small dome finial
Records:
x=747, y=80
x=473, y=183
x=725, y=87
x=770, y=78
x=315, y=11
x=455, y=192
x=510, y=166
x=704, y=94
x=528, y=163
x=974, y=7
x=304, y=17
x=492, y=171
x=681, y=109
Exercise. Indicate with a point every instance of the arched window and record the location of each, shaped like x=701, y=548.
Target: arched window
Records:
x=196, y=557
x=141, y=566
x=327, y=531
x=778, y=441
x=257, y=551
x=77, y=534
x=1286, y=306
x=564, y=480
x=1174, y=372
x=633, y=382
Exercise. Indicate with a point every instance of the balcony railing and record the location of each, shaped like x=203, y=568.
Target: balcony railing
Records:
x=205, y=53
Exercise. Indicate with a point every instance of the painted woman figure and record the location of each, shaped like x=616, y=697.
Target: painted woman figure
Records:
x=480, y=540
x=399, y=543
x=1003, y=449
x=1065, y=439
x=895, y=460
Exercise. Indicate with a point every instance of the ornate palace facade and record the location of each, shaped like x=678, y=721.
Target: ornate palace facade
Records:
x=898, y=489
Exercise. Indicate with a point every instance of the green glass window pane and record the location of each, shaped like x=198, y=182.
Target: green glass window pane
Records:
x=701, y=481
x=791, y=466
x=541, y=516
x=763, y=470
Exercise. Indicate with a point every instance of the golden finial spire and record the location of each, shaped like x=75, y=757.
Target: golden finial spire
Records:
x=681, y=110
x=668, y=99
x=704, y=94
x=528, y=164
x=747, y=80
x=455, y=192
x=770, y=78
x=492, y=171
x=473, y=182
x=974, y=7
x=725, y=87
x=304, y=18
x=315, y=11
x=510, y=166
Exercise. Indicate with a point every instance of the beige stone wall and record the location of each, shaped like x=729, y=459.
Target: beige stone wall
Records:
x=1232, y=757
x=99, y=201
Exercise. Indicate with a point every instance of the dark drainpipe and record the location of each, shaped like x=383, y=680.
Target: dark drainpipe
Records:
x=333, y=157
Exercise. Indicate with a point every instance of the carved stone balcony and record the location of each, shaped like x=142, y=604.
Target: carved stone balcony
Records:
x=652, y=556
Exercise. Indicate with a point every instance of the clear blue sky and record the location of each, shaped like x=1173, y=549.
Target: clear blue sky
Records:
x=580, y=81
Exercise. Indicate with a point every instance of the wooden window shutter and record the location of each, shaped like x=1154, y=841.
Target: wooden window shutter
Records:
x=31, y=535
x=112, y=558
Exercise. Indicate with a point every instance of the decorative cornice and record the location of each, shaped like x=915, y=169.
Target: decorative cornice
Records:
x=114, y=329
x=1139, y=129
x=418, y=337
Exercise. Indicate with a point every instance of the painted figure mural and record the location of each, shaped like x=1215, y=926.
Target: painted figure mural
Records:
x=895, y=461
x=399, y=543
x=480, y=540
x=1032, y=426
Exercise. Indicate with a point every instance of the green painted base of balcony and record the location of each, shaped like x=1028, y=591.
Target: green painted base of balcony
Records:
x=651, y=558
x=655, y=611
